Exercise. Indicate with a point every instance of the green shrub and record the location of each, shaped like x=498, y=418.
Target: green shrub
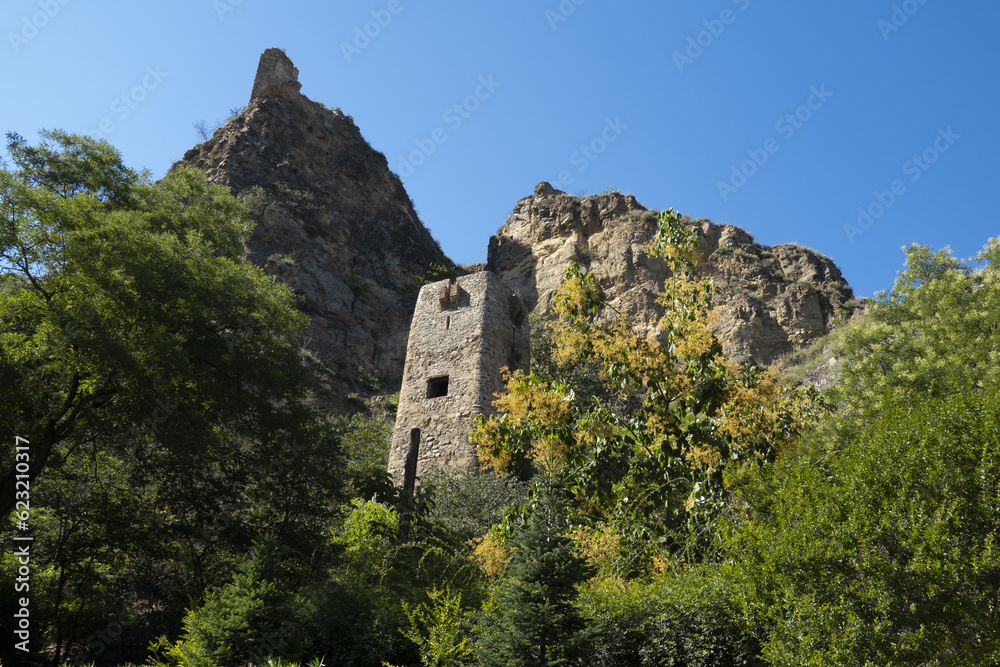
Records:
x=689, y=618
x=252, y=618
x=884, y=553
x=358, y=285
x=441, y=630
x=468, y=505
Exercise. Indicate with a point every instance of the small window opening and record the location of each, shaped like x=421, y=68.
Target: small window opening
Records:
x=437, y=387
x=447, y=322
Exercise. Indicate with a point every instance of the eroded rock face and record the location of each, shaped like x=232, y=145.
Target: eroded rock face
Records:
x=772, y=300
x=335, y=224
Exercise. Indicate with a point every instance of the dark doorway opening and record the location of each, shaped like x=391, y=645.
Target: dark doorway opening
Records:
x=410, y=469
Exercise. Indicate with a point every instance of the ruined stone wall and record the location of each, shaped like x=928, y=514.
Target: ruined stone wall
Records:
x=277, y=76
x=466, y=331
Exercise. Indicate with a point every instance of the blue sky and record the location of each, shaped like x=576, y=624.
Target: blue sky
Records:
x=782, y=117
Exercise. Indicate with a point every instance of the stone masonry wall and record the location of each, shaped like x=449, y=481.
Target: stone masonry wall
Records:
x=468, y=339
x=277, y=76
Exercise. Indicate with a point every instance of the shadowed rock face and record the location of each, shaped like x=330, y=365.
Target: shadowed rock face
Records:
x=337, y=227
x=335, y=224
x=772, y=300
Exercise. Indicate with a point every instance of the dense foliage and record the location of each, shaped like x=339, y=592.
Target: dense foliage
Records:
x=158, y=380
x=645, y=450
x=536, y=621
x=875, y=543
x=655, y=504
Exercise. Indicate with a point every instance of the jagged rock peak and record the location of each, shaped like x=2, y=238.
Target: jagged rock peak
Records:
x=277, y=76
x=545, y=188
x=333, y=223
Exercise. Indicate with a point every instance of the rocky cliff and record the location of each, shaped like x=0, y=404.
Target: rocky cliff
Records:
x=772, y=300
x=335, y=224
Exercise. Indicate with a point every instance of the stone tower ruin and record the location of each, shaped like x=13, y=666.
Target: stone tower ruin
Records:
x=463, y=333
x=276, y=76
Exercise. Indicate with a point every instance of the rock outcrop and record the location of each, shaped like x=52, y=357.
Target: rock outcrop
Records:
x=335, y=224
x=772, y=300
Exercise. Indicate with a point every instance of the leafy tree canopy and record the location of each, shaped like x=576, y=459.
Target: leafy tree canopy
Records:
x=158, y=379
x=936, y=333
x=121, y=296
x=645, y=453
x=874, y=542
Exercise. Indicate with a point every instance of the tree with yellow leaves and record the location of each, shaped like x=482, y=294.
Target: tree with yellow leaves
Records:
x=647, y=455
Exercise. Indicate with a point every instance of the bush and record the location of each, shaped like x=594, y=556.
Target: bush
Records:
x=468, y=505
x=884, y=553
x=689, y=618
x=250, y=619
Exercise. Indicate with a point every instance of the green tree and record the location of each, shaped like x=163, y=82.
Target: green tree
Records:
x=537, y=622
x=251, y=619
x=158, y=379
x=874, y=542
x=935, y=333
x=886, y=554
x=366, y=440
x=646, y=451
x=123, y=297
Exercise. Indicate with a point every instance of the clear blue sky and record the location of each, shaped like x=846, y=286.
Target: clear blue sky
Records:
x=682, y=115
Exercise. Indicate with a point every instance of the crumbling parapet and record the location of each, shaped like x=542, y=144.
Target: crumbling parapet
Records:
x=277, y=76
